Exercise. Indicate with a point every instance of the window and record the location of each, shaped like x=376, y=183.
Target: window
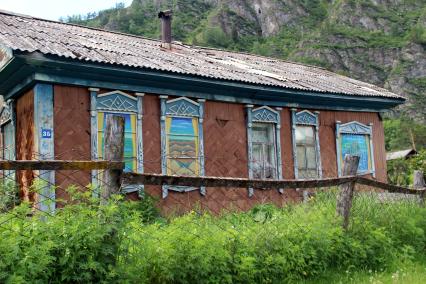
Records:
x=182, y=146
x=306, y=149
x=264, y=165
x=7, y=138
x=306, y=152
x=354, y=138
x=130, y=156
x=264, y=147
x=130, y=108
x=182, y=140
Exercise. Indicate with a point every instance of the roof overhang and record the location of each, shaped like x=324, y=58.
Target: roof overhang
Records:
x=25, y=69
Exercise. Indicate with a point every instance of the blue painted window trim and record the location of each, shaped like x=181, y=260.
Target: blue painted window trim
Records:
x=181, y=107
x=354, y=127
x=305, y=117
x=8, y=118
x=264, y=114
x=44, y=146
x=118, y=102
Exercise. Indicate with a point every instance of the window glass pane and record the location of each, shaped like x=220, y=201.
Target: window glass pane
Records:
x=181, y=126
x=303, y=174
x=305, y=135
x=308, y=174
x=182, y=146
x=301, y=157
x=129, y=138
x=306, y=152
x=357, y=144
x=263, y=149
x=8, y=138
x=183, y=167
x=257, y=155
x=262, y=132
x=311, y=157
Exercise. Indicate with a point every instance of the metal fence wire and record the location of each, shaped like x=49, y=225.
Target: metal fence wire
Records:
x=49, y=187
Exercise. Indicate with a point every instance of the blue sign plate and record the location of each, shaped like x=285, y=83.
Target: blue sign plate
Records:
x=46, y=133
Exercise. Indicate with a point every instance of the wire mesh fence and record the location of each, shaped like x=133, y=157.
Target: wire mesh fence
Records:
x=46, y=189
x=224, y=233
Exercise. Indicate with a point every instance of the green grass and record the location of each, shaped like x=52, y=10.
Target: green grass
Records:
x=128, y=242
x=413, y=272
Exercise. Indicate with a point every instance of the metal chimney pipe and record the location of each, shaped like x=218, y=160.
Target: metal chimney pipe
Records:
x=166, y=28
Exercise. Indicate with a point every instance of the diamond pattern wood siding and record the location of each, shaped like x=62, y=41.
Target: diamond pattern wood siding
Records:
x=328, y=140
x=72, y=134
x=225, y=144
x=25, y=142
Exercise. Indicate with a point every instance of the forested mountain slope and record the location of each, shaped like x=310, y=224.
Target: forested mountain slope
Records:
x=378, y=41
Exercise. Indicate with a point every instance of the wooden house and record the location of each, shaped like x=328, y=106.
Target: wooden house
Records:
x=188, y=111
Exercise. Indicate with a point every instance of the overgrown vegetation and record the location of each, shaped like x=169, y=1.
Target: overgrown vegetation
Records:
x=400, y=171
x=9, y=196
x=401, y=134
x=119, y=242
x=404, y=133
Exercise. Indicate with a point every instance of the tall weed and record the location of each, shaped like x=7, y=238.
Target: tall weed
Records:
x=128, y=242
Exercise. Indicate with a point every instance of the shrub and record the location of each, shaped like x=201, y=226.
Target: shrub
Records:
x=8, y=195
x=128, y=242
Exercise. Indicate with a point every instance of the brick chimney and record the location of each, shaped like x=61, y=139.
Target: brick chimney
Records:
x=166, y=28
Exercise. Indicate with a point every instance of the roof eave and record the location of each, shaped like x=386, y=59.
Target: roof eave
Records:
x=68, y=71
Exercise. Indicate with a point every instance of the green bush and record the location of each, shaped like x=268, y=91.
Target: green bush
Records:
x=127, y=242
x=400, y=171
x=9, y=195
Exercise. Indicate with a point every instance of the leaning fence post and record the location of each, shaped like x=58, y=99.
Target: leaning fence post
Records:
x=113, y=151
x=419, y=183
x=344, y=200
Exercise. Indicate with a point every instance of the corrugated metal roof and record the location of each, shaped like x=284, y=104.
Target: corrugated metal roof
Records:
x=25, y=33
x=400, y=154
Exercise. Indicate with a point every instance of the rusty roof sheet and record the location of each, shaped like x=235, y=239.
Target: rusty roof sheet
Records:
x=29, y=34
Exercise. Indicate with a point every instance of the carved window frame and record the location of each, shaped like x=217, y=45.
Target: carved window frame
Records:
x=8, y=120
x=306, y=118
x=121, y=103
x=264, y=114
x=354, y=128
x=182, y=107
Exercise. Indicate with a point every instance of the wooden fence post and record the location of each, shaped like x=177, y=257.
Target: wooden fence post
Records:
x=419, y=183
x=113, y=151
x=344, y=200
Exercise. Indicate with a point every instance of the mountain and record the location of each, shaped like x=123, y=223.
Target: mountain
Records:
x=378, y=41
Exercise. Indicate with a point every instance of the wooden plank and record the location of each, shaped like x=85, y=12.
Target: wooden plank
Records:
x=60, y=165
x=419, y=181
x=113, y=151
x=159, y=179
x=387, y=187
x=344, y=200
x=44, y=144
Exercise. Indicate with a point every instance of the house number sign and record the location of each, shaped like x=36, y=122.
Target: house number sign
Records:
x=46, y=133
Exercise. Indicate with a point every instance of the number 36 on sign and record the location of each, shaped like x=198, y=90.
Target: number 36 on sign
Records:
x=46, y=133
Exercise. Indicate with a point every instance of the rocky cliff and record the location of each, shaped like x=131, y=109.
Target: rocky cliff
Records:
x=378, y=41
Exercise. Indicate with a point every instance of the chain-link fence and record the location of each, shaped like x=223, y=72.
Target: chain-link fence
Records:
x=214, y=239
x=186, y=227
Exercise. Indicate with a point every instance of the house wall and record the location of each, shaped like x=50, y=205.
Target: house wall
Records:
x=25, y=142
x=72, y=134
x=327, y=138
x=225, y=147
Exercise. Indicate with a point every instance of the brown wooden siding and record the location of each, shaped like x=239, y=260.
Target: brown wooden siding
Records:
x=25, y=142
x=225, y=147
x=72, y=134
x=286, y=145
x=328, y=140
